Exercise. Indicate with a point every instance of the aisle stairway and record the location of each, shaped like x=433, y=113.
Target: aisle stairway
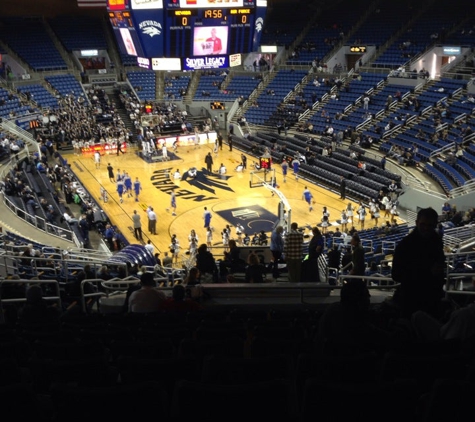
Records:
x=114, y=94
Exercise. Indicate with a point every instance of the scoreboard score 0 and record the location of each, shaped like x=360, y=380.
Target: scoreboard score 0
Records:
x=187, y=28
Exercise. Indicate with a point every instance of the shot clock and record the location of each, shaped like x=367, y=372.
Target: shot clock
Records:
x=265, y=163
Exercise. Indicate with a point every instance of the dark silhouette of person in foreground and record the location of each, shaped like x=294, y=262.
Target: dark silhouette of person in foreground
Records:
x=418, y=265
x=346, y=326
x=36, y=310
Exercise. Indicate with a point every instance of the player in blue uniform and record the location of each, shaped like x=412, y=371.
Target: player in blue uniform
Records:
x=137, y=189
x=127, y=185
x=120, y=189
x=307, y=195
x=285, y=168
x=296, y=167
x=207, y=218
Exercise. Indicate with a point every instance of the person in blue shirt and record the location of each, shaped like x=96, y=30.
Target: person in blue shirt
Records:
x=207, y=218
x=446, y=209
x=127, y=185
x=109, y=233
x=40, y=167
x=296, y=167
x=120, y=189
x=307, y=195
x=285, y=168
x=137, y=189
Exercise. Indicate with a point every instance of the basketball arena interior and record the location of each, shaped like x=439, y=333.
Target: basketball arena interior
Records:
x=369, y=102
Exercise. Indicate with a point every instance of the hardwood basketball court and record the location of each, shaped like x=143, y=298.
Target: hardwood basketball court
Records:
x=217, y=194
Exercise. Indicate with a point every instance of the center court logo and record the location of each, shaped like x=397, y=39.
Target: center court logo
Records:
x=150, y=27
x=200, y=179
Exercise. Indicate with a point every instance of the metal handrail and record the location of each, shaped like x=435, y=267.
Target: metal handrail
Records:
x=20, y=300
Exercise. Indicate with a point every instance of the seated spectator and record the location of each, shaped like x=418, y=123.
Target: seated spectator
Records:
x=255, y=272
x=193, y=277
x=348, y=323
x=36, y=310
x=460, y=326
x=148, y=298
x=206, y=264
x=178, y=302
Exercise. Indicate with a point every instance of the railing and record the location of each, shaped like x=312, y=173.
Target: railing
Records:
x=20, y=133
x=35, y=220
x=55, y=261
x=390, y=132
x=41, y=223
x=468, y=187
x=381, y=282
x=441, y=150
x=56, y=297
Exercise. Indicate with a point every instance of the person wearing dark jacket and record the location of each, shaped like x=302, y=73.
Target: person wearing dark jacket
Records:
x=206, y=264
x=419, y=267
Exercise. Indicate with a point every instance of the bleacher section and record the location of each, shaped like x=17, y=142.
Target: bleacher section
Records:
x=327, y=32
x=79, y=32
x=209, y=87
x=66, y=85
x=268, y=101
x=11, y=105
x=29, y=39
x=423, y=31
x=176, y=86
x=40, y=95
x=144, y=84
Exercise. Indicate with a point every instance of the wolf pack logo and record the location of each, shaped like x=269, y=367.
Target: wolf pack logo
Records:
x=203, y=180
x=151, y=28
x=199, y=179
x=259, y=24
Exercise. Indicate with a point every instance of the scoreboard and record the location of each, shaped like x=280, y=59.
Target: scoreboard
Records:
x=200, y=32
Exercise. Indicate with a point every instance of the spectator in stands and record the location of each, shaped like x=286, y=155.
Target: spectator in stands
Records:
x=104, y=273
x=393, y=190
x=193, y=277
x=334, y=257
x=84, y=229
x=315, y=249
x=418, y=266
x=255, y=271
x=293, y=252
x=36, y=310
x=206, y=264
x=446, y=210
x=358, y=266
x=460, y=325
x=347, y=323
x=69, y=219
x=179, y=302
x=109, y=236
x=232, y=261
x=277, y=248
x=167, y=260
x=148, y=298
